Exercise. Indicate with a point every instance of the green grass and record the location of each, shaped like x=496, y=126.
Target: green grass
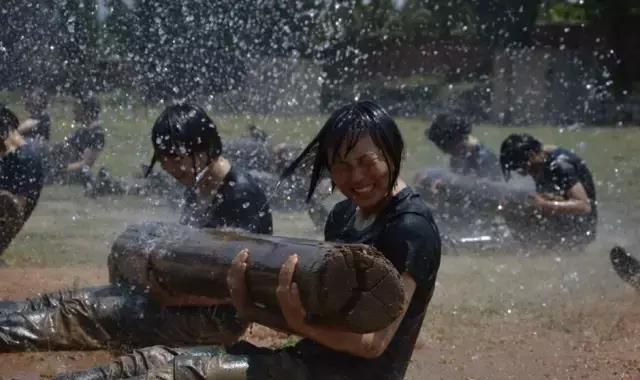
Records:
x=68, y=228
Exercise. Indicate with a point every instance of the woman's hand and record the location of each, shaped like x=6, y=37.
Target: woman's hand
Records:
x=237, y=283
x=289, y=296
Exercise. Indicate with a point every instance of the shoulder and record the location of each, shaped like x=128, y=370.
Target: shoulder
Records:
x=562, y=161
x=338, y=218
x=241, y=184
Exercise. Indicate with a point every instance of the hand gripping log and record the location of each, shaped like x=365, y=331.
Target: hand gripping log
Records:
x=351, y=287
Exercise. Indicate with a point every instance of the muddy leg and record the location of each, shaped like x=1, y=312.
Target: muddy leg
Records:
x=110, y=316
x=138, y=363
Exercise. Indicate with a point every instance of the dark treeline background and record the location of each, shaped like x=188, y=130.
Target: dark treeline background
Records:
x=174, y=49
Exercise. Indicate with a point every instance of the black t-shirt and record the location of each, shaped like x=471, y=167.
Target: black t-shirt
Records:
x=91, y=137
x=22, y=173
x=72, y=148
x=41, y=130
x=407, y=235
x=479, y=161
x=562, y=170
x=238, y=203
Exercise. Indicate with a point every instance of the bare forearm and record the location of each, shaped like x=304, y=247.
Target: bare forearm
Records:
x=361, y=345
x=566, y=207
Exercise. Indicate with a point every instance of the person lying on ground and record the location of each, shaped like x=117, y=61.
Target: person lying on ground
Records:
x=187, y=146
x=21, y=177
x=360, y=147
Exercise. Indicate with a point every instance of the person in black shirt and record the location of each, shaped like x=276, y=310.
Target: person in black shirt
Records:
x=452, y=135
x=72, y=159
x=38, y=125
x=21, y=177
x=564, y=205
x=187, y=145
x=443, y=190
x=361, y=147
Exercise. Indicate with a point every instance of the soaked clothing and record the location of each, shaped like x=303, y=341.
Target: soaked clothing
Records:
x=109, y=316
x=407, y=235
x=21, y=179
x=72, y=149
x=238, y=203
x=22, y=174
x=42, y=129
x=562, y=170
x=100, y=317
x=479, y=161
x=404, y=232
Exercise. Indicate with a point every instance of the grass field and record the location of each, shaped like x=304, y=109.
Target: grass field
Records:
x=493, y=316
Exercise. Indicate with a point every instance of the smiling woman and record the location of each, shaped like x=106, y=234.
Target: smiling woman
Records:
x=360, y=147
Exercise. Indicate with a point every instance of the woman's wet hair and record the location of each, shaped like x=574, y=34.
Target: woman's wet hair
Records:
x=344, y=128
x=184, y=130
x=8, y=121
x=515, y=150
x=448, y=130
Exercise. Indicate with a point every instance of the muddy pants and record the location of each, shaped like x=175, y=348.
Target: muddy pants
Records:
x=110, y=316
x=242, y=361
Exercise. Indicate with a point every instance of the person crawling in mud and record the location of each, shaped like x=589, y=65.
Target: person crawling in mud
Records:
x=452, y=135
x=72, y=159
x=38, y=125
x=21, y=177
x=187, y=145
x=360, y=147
x=564, y=204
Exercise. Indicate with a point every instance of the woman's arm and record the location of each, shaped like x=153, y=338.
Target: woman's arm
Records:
x=577, y=203
x=370, y=345
x=89, y=158
x=28, y=125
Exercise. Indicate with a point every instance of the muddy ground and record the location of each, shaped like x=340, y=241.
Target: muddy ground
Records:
x=525, y=318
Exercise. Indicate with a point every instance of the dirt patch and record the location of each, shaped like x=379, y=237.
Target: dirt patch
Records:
x=594, y=339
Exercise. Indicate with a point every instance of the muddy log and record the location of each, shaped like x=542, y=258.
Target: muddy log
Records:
x=482, y=194
x=347, y=286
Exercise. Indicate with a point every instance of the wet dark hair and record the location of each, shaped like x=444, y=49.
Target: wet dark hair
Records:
x=448, y=130
x=8, y=121
x=345, y=127
x=184, y=129
x=515, y=150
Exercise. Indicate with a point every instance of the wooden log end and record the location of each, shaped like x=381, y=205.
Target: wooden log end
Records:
x=376, y=297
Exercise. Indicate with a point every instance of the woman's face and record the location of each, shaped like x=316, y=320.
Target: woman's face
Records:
x=362, y=175
x=180, y=168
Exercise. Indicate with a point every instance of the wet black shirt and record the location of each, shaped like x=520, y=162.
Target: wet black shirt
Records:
x=72, y=148
x=479, y=161
x=407, y=235
x=562, y=170
x=91, y=137
x=22, y=174
x=238, y=203
x=41, y=130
